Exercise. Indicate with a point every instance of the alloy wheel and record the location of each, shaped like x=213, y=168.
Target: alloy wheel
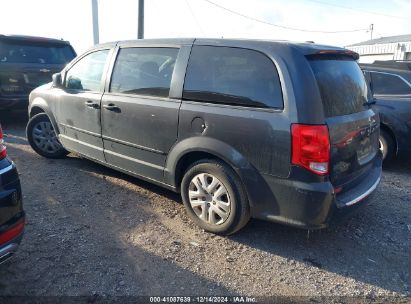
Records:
x=45, y=137
x=209, y=199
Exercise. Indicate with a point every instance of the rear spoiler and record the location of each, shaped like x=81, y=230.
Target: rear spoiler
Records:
x=332, y=53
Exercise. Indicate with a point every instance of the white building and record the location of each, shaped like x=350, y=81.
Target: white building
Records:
x=385, y=48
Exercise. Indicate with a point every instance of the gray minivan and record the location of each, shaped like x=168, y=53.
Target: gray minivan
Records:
x=242, y=128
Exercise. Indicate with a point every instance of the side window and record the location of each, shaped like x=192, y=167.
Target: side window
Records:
x=232, y=76
x=389, y=84
x=86, y=74
x=144, y=71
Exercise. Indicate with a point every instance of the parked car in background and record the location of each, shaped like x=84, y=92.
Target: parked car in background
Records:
x=27, y=62
x=272, y=130
x=12, y=219
x=390, y=82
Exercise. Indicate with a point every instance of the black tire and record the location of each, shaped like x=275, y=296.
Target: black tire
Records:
x=49, y=153
x=239, y=213
x=386, y=145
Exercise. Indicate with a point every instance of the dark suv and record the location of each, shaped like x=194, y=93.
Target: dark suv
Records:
x=12, y=219
x=273, y=130
x=391, y=83
x=27, y=62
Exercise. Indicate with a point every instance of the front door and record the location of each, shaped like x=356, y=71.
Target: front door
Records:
x=79, y=106
x=139, y=120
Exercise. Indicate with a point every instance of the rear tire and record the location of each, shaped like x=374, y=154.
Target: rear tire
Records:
x=42, y=137
x=214, y=197
x=386, y=145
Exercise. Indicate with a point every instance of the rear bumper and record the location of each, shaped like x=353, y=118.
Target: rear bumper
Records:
x=361, y=191
x=14, y=103
x=9, y=249
x=314, y=205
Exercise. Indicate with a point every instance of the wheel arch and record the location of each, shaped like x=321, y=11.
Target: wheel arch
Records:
x=184, y=153
x=193, y=149
x=39, y=105
x=191, y=157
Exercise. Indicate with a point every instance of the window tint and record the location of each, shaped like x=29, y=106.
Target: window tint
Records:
x=232, y=76
x=25, y=52
x=389, y=84
x=342, y=85
x=144, y=71
x=86, y=74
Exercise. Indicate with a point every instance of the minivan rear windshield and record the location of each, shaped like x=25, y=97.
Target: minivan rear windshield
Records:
x=25, y=52
x=342, y=85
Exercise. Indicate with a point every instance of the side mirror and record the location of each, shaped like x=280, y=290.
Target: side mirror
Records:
x=57, y=80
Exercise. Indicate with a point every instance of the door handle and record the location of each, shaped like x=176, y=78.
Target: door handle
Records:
x=92, y=105
x=111, y=107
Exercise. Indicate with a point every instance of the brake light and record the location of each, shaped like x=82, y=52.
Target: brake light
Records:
x=12, y=233
x=311, y=147
x=3, y=151
x=349, y=53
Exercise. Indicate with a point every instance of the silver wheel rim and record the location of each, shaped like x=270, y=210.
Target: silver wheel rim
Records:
x=209, y=199
x=45, y=138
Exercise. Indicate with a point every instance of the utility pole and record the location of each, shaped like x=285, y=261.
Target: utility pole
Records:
x=94, y=8
x=140, y=29
x=371, y=29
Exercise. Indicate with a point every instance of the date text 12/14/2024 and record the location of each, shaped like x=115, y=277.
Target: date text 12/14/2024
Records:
x=206, y=299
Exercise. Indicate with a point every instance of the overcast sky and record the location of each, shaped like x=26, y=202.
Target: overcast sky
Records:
x=71, y=19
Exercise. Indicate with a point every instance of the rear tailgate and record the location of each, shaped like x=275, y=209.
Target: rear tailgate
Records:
x=19, y=79
x=353, y=126
x=27, y=63
x=354, y=145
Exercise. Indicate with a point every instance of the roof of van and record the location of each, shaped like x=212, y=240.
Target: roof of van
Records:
x=32, y=39
x=304, y=47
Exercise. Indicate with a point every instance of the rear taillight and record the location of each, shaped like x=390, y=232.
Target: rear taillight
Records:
x=311, y=147
x=3, y=151
x=12, y=233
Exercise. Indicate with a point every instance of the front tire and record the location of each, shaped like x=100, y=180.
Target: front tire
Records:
x=214, y=197
x=42, y=137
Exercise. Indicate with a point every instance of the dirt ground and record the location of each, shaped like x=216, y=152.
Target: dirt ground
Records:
x=93, y=231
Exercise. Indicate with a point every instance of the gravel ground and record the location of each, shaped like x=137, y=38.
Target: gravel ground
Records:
x=94, y=231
